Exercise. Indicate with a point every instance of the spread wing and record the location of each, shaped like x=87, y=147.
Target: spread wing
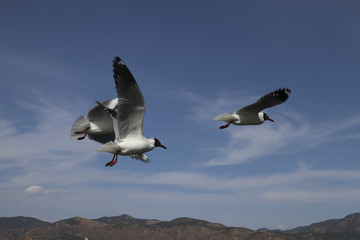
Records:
x=131, y=103
x=269, y=100
x=98, y=115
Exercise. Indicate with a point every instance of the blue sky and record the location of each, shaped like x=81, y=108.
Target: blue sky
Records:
x=192, y=60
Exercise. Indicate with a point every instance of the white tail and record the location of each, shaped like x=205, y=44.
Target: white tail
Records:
x=80, y=124
x=227, y=117
x=109, y=147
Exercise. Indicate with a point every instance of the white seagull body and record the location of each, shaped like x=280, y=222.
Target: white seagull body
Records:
x=128, y=118
x=97, y=124
x=251, y=114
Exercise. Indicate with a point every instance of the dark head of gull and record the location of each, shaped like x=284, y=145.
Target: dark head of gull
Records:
x=158, y=143
x=266, y=117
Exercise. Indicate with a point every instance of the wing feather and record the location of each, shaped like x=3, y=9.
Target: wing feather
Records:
x=141, y=157
x=269, y=100
x=131, y=103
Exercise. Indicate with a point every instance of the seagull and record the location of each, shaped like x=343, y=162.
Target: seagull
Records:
x=128, y=119
x=97, y=124
x=251, y=114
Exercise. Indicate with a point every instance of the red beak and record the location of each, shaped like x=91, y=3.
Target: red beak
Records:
x=163, y=146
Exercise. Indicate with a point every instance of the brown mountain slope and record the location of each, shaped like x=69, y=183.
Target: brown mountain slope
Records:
x=20, y=222
x=128, y=228
x=73, y=228
x=126, y=219
x=349, y=224
x=125, y=227
x=13, y=227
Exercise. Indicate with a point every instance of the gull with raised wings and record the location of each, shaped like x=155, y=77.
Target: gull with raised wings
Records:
x=128, y=119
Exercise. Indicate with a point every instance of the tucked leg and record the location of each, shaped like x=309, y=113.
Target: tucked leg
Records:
x=83, y=131
x=225, y=126
x=81, y=138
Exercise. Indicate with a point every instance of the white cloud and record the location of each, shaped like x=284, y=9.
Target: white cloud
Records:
x=34, y=190
x=282, y=227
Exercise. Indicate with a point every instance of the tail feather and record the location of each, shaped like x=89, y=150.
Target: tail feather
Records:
x=227, y=117
x=80, y=125
x=109, y=147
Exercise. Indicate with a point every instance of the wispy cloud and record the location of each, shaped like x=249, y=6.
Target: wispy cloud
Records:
x=290, y=136
x=314, y=196
x=46, y=163
x=31, y=65
x=214, y=183
x=36, y=190
x=205, y=109
x=44, y=140
x=292, y=131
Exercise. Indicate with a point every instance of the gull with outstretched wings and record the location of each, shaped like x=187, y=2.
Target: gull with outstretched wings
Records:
x=251, y=114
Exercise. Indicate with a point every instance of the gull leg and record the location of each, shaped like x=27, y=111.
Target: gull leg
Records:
x=81, y=138
x=83, y=131
x=225, y=126
x=113, y=160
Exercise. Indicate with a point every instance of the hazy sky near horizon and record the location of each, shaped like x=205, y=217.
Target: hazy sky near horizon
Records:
x=192, y=60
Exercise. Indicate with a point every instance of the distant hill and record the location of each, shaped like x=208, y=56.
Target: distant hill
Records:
x=349, y=224
x=127, y=220
x=73, y=228
x=125, y=227
x=16, y=227
x=17, y=223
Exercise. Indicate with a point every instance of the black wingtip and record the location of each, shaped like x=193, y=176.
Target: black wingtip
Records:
x=119, y=67
x=283, y=94
x=117, y=61
x=121, y=71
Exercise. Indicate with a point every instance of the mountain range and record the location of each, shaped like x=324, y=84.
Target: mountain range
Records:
x=125, y=227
